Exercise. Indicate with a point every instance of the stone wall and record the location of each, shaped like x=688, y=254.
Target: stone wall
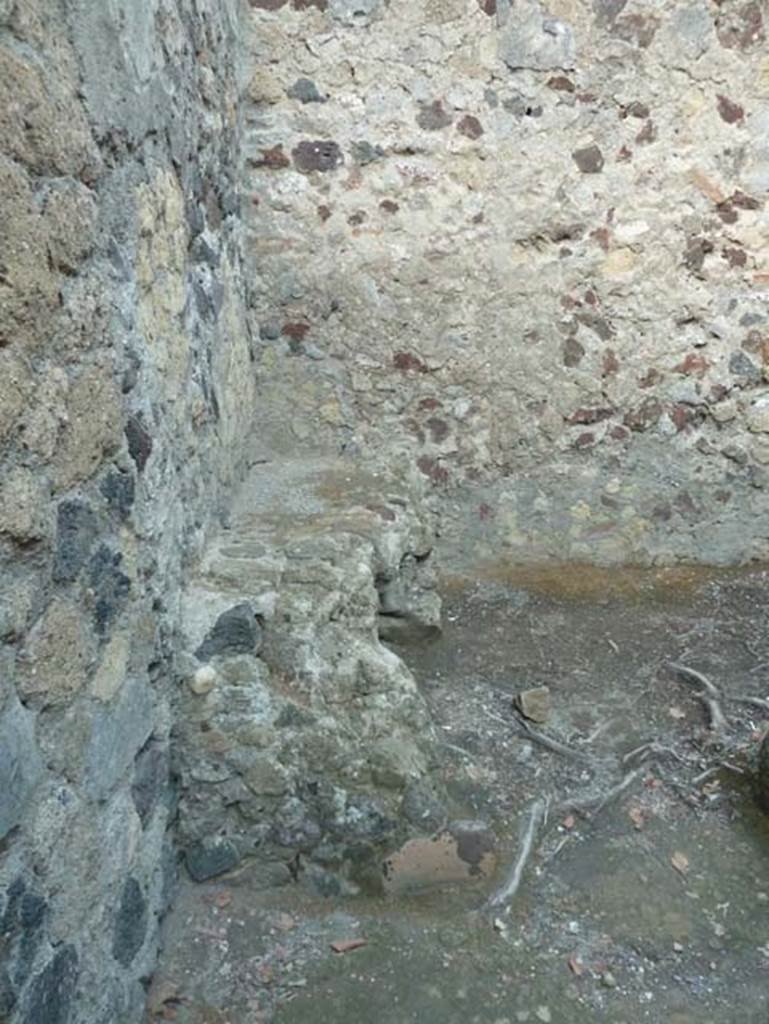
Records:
x=126, y=388
x=523, y=245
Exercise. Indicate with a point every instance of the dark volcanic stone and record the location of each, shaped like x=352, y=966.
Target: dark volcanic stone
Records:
x=32, y=911
x=76, y=529
x=7, y=994
x=50, y=996
x=21, y=926
x=110, y=586
x=211, y=857
x=130, y=923
x=317, y=156
x=573, y=352
x=742, y=366
x=471, y=127
x=269, y=330
x=236, y=631
x=120, y=490
x=13, y=898
x=139, y=442
x=730, y=111
x=589, y=159
x=364, y=153
x=433, y=117
x=306, y=91
x=151, y=776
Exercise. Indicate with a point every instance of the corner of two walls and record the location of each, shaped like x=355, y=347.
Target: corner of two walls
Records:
x=126, y=397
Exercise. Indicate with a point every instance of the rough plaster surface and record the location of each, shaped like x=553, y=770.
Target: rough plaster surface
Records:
x=524, y=246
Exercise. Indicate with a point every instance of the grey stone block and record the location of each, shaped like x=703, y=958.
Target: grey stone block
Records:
x=117, y=733
x=534, y=41
x=51, y=994
x=151, y=779
x=211, y=857
x=20, y=765
x=130, y=923
x=110, y=587
x=76, y=528
x=236, y=631
x=351, y=12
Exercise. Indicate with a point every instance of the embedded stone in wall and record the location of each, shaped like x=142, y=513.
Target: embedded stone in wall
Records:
x=20, y=765
x=305, y=90
x=236, y=631
x=353, y=11
x=118, y=731
x=589, y=159
x=52, y=992
x=534, y=40
x=320, y=156
x=130, y=923
x=59, y=650
x=23, y=497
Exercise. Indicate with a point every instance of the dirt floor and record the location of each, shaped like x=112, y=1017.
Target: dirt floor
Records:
x=645, y=897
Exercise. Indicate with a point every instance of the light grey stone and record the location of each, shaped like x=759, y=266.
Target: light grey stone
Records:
x=692, y=29
x=535, y=41
x=353, y=11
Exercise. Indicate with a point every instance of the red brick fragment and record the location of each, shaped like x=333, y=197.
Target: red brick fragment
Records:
x=296, y=331
x=432, y=468
x=735, y=256
x=730, y=111
x=611, y=364
x=406, y=361
x=273, y=159
x=560, y=83
x=471, y=127
x=694, y=365
x=590, y=416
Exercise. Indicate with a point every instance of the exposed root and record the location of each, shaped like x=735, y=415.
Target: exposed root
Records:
x=693, y=676
x=710, y=695
x=715, y=769
x=594, y=805
x=524, y=729
x=650, y=750
x=458, y=750
x=537, y=818
x=753, y=702
x=718, y=720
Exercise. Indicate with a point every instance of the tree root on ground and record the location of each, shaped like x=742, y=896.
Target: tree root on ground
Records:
x=636, y=763
x=710, y=695
x=537, y=818
x=591, y=806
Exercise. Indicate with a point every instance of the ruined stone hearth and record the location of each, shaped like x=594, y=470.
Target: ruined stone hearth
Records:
x=297, y=730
